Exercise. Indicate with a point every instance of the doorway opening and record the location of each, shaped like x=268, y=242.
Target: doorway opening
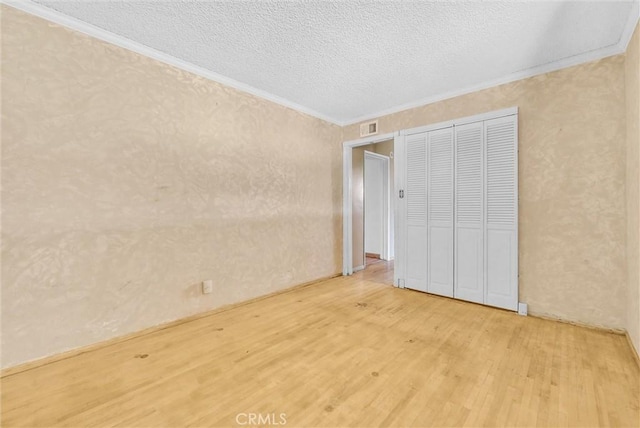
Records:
x=372, y=216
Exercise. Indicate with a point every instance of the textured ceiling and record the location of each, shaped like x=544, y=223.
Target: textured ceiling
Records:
x=346, y=60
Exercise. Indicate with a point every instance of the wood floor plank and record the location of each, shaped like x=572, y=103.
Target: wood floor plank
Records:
x=350, y=351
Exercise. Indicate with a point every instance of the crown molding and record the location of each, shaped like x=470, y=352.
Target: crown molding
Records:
x=617, y=49
x=114, y=39
x=91, y=30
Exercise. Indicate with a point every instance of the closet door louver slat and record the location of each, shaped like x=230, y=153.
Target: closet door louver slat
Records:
x=440, y=216
x=468, y=234
x=416, y=206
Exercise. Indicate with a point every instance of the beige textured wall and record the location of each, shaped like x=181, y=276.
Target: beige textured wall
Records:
x=126, y=182
x=632, y=75
x=572, y=175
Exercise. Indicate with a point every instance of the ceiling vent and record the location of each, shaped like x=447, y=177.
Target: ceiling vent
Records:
x=369, y=128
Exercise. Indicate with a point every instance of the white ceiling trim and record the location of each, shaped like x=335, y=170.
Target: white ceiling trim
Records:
x=618, y=48
x=114, y=39
x=83, y=27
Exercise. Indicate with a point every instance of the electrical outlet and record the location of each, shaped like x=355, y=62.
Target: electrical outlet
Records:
x=207, y=286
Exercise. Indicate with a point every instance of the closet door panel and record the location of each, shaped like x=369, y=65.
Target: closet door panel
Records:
x=469, y=224
x=441, y=261
x=440, y=212
x=469, y=264
x=501, y=213
x=500, y=250
x=416, y=206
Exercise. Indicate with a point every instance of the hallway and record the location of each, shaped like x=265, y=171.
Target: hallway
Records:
x=377, y=270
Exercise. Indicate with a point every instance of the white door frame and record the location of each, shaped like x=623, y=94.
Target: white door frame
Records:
x=386, y=204
x=347, y=195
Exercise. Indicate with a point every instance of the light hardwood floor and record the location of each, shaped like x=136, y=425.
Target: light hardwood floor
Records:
x=351, y=351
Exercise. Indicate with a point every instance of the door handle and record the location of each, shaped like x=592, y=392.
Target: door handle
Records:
x=401, y=194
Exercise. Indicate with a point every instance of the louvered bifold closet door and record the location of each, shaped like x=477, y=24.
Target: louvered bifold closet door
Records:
x=416, y=209
x=440, y=212
x=469, y=221
x=501, y=237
